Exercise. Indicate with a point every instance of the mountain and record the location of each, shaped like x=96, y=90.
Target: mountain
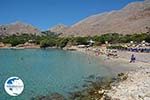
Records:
x=134, y=18
x=18, y=28
x=60, y=28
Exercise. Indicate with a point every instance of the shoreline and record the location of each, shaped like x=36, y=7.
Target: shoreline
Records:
x=25, y=47
x=116, y=60
x=137, y=85
x=120, y=59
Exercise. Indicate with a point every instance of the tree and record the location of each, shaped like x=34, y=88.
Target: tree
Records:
x=47, y=43
x=44, y=43
x=81, y=40
x=62, y=42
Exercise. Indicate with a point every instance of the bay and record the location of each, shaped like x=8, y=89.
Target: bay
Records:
x=45, y=71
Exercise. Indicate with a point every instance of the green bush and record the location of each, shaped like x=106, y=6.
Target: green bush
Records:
x=62, y=42
x=81, y=40
x=52, y=39
x=47, y=43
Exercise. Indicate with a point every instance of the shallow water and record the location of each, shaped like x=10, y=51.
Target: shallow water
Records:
x=47, y=71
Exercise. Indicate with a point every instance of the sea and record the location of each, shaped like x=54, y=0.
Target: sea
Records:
x=45, y=71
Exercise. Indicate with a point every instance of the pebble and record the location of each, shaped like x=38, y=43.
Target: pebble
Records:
x=136, y=87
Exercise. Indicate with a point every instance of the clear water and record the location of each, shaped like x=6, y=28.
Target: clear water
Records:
x=46, y=71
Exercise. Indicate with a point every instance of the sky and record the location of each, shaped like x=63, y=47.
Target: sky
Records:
x=44, y=14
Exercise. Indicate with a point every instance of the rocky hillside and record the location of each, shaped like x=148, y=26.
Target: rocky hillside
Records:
x=134, y=18
x=18, y=28
x=60, y=28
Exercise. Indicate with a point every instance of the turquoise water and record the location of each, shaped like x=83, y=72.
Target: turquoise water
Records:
x=46, y=71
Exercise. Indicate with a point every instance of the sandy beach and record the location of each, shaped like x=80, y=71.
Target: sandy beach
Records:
x=137, y=85
x=122, y=60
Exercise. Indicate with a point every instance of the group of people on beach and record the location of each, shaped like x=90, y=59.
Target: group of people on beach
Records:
x=113, y=54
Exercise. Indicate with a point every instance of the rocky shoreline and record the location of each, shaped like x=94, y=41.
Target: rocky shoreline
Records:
x=135, y=87
x=137, y=84
x=20, y=46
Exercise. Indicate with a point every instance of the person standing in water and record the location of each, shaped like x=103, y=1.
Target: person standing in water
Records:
x=132, y=58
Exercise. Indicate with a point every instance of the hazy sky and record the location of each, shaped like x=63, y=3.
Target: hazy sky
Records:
x=47, y=13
